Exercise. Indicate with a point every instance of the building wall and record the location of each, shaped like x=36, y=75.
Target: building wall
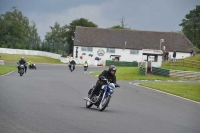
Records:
x=180, y=55
x=125, y=55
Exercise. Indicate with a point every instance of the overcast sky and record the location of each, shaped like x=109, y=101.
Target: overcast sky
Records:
x=153, y=15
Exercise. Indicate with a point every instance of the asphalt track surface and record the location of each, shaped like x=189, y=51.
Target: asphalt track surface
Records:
x=50, y=100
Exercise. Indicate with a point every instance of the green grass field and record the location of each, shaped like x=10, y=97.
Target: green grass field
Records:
x=190, y=91
x=35, y=59
x=195, y=58
x=6, y=69
x=132, y=73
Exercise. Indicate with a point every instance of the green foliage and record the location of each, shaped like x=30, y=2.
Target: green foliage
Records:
x=194, y=58
x=191, y=26
x=60, y=39
x=122, y=26
x=118, y=27
x=72, y=26
x=56, y=39
x=17, y=32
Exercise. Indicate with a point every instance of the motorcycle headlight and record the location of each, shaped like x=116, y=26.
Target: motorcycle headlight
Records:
x=111, y=90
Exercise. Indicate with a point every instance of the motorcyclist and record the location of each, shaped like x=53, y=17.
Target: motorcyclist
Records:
x=108, y=74
x=72, y=63
x=22, y=62
x=85, y=66
x=30, y=64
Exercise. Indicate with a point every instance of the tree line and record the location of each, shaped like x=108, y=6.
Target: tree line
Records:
x=191, y=26
x=18, y=32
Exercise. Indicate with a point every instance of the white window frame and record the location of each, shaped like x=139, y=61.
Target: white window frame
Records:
x=134, y=52
x=110, y=50
x=87, y=49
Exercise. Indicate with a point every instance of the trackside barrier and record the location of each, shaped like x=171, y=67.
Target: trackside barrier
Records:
x=46, y=54
x=176, y=73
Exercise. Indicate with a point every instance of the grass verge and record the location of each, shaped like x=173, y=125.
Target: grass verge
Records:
x=35, y=59
x=193, y=58
x=7, y=69
x=190, y=91
x=132, y=73
x=167, y=66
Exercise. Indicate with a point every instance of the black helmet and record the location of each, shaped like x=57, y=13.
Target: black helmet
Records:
x=112, y=68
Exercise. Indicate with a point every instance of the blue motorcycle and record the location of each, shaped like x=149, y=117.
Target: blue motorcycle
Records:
x=102, y=97
x=21, y=70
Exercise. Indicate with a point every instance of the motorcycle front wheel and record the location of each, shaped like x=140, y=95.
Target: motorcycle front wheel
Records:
x=21, y=72
x=88, y=104
x=104, y=103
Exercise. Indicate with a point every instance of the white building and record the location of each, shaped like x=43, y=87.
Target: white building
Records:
x=126, y=45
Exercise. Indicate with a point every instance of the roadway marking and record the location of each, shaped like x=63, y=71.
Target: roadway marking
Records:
x=7, y=73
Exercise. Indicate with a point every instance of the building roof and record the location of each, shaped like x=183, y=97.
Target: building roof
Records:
x=134, y=39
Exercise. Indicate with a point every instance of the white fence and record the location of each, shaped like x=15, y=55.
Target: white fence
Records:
x=46, y=54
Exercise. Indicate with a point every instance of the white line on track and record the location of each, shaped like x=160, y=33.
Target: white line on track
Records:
x=7, y=73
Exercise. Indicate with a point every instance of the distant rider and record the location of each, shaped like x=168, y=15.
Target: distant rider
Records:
x=22, y=62
x=85, y=66
x=72, y=63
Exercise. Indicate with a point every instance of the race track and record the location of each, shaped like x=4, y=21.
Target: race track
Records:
x=50, y=100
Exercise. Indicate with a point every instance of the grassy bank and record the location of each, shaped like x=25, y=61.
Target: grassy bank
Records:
x=6, y=69
x=193, y=58
x=132, y=73
x=180, y=68
x=190, y=91
x=36, y=59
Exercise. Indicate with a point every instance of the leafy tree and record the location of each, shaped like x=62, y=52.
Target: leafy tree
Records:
x=71, y=30
x=56, y=39
x=191, y=26
x=33, y=37
x=16, y=32
x=116, y=27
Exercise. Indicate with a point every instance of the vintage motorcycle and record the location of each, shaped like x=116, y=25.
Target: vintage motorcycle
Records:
x=102, y=97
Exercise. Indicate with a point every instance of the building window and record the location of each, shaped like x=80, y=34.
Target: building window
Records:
x=110, y=50
x=134, y=51
x=90, y=49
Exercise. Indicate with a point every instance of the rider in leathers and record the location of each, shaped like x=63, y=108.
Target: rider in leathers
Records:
x=22, y=62
x=110, y=75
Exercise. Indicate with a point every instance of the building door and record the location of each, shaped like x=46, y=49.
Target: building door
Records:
x=117, y=58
